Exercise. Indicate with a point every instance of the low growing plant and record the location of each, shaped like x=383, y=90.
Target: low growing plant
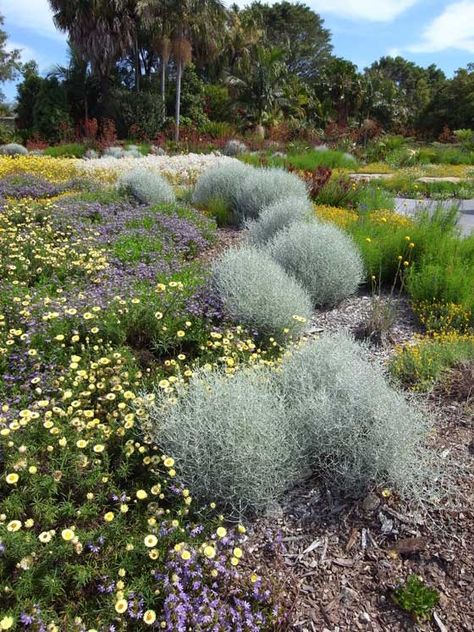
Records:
x=415, y=598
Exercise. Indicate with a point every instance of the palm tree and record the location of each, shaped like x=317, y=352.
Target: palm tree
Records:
x=185, y=25
x=100, y=30
x=155, y=15
x=261, y=84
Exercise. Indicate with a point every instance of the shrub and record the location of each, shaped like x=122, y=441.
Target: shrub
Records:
x=146, y=187
x=322, y=258
x=277, y=216
x=229, y=437
x=13, y=149
x=264, y=187
x=355, y=430
x=7, y=134
x=234, y=147
x=258, y=293
x=114, y=152
x=221, y=184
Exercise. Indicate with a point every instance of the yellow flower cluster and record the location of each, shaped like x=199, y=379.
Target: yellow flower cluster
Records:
x=443, y=318
x=30, y=249
x=339, y=216
x=389, y=218
x=52, y=169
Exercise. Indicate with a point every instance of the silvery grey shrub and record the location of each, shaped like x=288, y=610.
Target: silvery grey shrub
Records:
x=355, y=430
x=276, y=217
x=221, y=184
x=229, y=437
x=322, y=258
x=264, y=187
x=13, y=149
x=147, y=187
x=258, y=293
x=234, y=147
x=114, y=152
x=245, y=439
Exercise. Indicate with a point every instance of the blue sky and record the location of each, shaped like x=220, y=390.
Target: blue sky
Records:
x=425, y=31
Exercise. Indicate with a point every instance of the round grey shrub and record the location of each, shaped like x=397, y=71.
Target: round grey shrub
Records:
x=157, y=151
x=221, y=184
x=355, y=430
x=114, y=152
x=229, y=437
x=91, y=154
x=147, y=187
x=322, y=258
x=234, y=147
x=13, y=149
x=132, y=153
x=264, y=187
x=276, y=217
x=258, y=293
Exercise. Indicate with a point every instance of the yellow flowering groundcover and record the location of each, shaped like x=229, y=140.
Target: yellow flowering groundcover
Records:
x=96, y=301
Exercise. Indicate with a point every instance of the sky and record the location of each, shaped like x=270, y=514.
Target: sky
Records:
x=424, y=31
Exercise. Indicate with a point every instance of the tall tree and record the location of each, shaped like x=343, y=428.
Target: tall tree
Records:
x=100, y=30
x=9, y=59
x=260, y=86
x=196, y=23
x=296, y=30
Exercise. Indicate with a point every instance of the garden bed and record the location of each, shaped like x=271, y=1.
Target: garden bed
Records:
x=122, y=304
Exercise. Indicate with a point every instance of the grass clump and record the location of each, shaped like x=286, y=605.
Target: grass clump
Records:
x=146, y=187
x=258, y=293
x=71, y=150
x=322, y=258
x=276, y=217
x=264, y=187
x=310, y=160
x=444, y=273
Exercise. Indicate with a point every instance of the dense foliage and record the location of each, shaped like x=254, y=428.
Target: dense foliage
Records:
x=226, y=70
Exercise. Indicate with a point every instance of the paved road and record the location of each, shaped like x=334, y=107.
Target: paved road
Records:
x=466, y=210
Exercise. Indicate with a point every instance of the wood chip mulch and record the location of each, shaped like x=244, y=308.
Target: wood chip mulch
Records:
x=343, y=559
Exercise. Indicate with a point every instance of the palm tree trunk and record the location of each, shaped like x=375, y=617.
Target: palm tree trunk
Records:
x=163, y=86
x=179, y=75
x=137, y=65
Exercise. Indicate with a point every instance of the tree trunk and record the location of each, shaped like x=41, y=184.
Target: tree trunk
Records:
x=137, y=66
x=163, y=86
x=179, y=75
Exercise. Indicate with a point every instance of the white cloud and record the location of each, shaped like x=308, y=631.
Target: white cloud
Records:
x=453, y=29
x=33, y=15
x=372, y=10
x=44, y=61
